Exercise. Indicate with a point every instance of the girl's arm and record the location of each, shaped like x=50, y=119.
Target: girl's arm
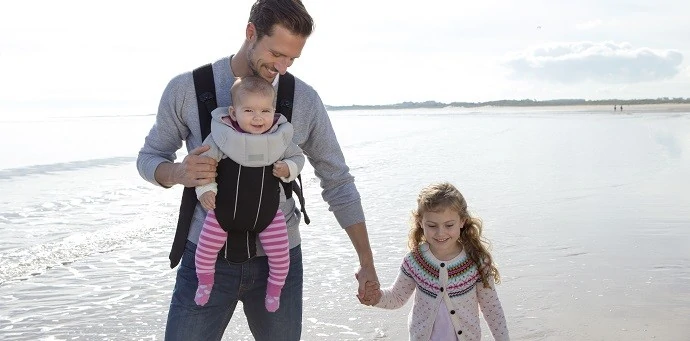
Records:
x=397, y=295
x=492, y=310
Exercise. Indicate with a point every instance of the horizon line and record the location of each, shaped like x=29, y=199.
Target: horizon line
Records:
x=513, y=102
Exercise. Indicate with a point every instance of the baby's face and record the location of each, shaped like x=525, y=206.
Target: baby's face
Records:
x=254, y=113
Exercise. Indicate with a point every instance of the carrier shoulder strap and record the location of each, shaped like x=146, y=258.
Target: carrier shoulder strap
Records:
x=206, y=100
x=286, y=95
x=205, y=97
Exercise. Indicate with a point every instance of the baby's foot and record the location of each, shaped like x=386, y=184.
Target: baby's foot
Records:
x=203, y=292
x=272, y=303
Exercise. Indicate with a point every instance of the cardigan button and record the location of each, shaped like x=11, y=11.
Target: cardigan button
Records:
x=443, y=264
x=452, y=312
x=459, y=332
x=441, y=289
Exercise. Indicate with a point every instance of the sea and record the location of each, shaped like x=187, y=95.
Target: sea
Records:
x=587, y=211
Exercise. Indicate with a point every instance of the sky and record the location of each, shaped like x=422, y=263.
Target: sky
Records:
x=116, y=57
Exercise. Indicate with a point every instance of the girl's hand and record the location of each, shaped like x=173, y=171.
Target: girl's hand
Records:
x=372, y=293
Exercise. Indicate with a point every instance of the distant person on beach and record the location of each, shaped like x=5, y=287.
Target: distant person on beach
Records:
x=450, y=271
x=252, y=113
x=614, y=108
x=275, y=35
x=621, y=107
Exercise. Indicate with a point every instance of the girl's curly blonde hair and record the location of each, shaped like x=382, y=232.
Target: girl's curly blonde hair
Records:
x=441, y=196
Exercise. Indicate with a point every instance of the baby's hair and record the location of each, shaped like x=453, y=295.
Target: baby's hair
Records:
x=251, y=85
x=440, y=196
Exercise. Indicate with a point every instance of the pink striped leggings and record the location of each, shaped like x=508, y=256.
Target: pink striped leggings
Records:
x=274, y=240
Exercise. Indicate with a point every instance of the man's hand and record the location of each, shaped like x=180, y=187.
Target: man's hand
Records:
x=368, y=292
x=208, y=200
x=366, y=272
x=195, y=170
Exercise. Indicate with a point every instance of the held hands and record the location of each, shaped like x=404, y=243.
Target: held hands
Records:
x=372, y=293
x=281, y=169
x=208, y=200
x=195, y=169
x=369, y=292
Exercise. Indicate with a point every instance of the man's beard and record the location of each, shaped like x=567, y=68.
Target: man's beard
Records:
x=250, y=54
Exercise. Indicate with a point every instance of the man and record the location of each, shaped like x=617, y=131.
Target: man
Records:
x=275, y=35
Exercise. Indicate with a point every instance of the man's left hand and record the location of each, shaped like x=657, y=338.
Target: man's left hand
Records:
x=368, y=285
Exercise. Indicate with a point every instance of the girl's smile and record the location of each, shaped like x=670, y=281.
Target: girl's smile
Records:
x=442, y=232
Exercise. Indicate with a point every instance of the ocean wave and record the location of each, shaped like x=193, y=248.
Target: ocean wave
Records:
x=10, y=173
x=22, y=263
x=48, y=117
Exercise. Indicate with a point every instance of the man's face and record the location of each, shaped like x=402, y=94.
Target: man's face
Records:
x=273, y=54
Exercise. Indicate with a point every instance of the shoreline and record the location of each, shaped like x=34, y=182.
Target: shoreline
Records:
x=675, y=108
x=633, y=108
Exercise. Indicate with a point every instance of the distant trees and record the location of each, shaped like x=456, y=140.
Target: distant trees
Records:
x=512, y=103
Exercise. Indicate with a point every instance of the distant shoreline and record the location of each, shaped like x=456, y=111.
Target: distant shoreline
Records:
x=680, y=108
x=629, y=109
x=638, y=103
x=600, y=108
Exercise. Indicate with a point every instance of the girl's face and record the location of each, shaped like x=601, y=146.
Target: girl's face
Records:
x=442, y=232
x=254, y=113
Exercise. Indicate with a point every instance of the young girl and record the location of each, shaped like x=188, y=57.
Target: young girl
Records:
x=451, y=269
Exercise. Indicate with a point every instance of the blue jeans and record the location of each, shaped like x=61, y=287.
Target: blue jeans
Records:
x=244, y=282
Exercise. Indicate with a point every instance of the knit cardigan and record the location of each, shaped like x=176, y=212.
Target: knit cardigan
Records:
x=457, y=283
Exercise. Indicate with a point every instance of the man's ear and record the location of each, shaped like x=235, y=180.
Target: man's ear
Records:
x=250, y=31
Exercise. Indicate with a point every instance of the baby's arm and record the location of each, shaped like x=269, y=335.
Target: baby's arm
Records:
x=207, y=193
x=293, y=161
x=492, y=310
x=397, y=295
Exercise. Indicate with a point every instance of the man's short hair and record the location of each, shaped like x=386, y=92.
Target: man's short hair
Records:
x=289, y=14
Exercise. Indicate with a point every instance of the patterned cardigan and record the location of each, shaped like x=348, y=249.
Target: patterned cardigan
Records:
x=457, y=283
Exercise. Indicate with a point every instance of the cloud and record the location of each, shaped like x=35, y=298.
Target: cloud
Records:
x=605, y=62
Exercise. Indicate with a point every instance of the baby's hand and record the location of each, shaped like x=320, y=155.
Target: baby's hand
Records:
x=281, y=169
x=208, y=200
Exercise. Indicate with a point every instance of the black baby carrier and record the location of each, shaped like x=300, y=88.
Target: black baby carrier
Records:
x=242, y=228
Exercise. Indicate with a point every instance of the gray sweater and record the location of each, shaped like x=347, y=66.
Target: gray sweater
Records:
x=178, y=120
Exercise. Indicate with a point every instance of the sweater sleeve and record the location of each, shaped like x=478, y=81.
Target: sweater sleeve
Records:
x=402, y=289
x=169, y=130
x=324, y=153
x=492, y=311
